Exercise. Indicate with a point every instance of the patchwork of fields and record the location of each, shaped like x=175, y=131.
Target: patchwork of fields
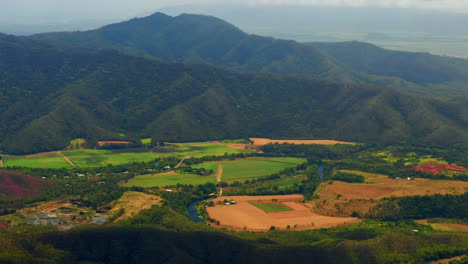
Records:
x=243, y=169
x=169, y=179
x=85, y=158
x=342, y=198
x=265, y=141
x=248, y=214
x=233, y=170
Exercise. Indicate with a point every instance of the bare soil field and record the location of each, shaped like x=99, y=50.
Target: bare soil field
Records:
x=265, y=141
x=435, y=168
x=245, y=216
x=133, y=203
x=342, y=199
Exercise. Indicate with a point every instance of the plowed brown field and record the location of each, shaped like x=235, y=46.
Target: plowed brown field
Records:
x=342, y=198
x=245, y=216
x=265, y=141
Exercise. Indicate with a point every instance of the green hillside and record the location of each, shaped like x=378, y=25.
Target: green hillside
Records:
x=196, y=38
x=99, y=95
x=444, y=75
x=205, y=39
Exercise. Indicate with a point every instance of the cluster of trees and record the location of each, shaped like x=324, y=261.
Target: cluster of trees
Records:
x=420, y=207
x=313, y=152
x=349, y=177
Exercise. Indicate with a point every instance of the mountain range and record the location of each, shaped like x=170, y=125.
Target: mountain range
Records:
x=204, y=39
x=191, y=77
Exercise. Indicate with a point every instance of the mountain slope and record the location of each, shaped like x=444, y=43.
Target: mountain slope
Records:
x=195, y=38
x=419, y=68
x=204, y=39
x=107, y=93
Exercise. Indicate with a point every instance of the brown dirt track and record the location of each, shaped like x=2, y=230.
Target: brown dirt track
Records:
x=265, y=141
x=244, y=216
x=360, y=197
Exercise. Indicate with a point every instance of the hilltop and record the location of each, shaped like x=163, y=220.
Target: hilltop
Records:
x=191, y=38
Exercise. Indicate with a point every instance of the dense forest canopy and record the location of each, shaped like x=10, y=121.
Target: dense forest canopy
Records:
x=97, y=95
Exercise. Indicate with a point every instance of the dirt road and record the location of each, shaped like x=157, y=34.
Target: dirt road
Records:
x=67, y=159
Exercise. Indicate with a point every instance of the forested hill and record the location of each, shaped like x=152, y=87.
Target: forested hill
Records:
x=197, y=38
x=52, y=96
x=419, y=68
x=206, y=39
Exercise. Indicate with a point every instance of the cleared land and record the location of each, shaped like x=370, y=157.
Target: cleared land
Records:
x=243, y=169
x=272, y=207
x=132, y=203
x=40, y=160
x=245, y=216
x=85, y=158
x=265, y=141
x=15, y=185
x=169, y=179
x=435, y=168
x=452, y=227
x=232, y=170
x=341, y=198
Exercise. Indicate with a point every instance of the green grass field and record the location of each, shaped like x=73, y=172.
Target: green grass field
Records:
x=272, y=207
x=85, y=158
x=99, y=158
x=169, y=179
x=243, y=169
x=198, y=149
x=208, y=166
x=41, y=160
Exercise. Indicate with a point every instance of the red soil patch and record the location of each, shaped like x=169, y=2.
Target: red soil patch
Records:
x=245, y=216
x=17, y=185
x=4, y=225
x=113, y=143
x=435, y=168
x=265, y=141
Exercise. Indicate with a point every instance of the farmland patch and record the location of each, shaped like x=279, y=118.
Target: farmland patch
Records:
x=131, y=203
x=244, y=216
x=342, y=198
x=265, y=141
x=169, y=179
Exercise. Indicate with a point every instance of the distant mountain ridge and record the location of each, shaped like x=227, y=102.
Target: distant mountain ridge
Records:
x=420, y=68
x=50, y=96
x=204, y=39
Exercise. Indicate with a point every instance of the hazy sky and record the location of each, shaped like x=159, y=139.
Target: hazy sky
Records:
x=63, y=11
